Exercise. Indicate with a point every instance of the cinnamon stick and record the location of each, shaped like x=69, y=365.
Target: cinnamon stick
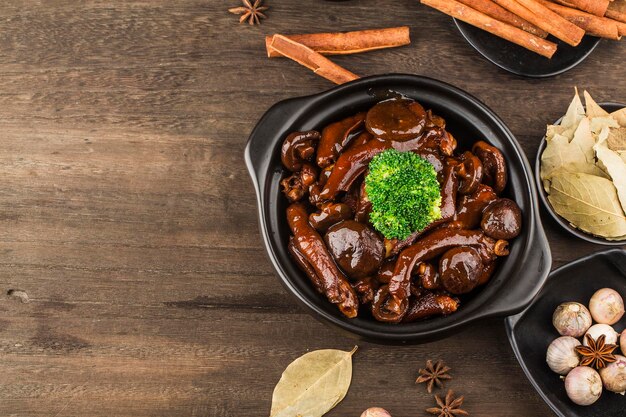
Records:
x=595, y=7
x=314, y=61
x=621, y=27
x=341, y=43
x=493, y=26
x=545, y=18
x=617, y=10
x=592, y=24
x=498, y=12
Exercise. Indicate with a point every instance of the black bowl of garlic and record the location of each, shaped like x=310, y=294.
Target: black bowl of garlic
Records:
x=571, y=342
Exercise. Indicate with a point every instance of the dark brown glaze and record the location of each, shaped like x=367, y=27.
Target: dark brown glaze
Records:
x=305, y=266
x=351, y=198
x=447, y=142
x=494, y=165
x=397, y=119
x=449, y=186
x=460, y=269
x=361, y=139
x=298, y=148
x=381, y=310
x=357, y=249
x=416, y=287
x=316, y=189
x=433, y=245
x=437, y=142
x=449, y=189
x=354, y=161
x=351, y=164
x=436, y=159
x=385, y=272
x=429, y=304
x=314, y=195
x=296, y=186
x=292, y=187
x=434, y=120
x=402, y=280
x=486, y=273
x=502, y=219
x=324, y=175
x=336, y=137
x=329, y=214
x=429, y=277
x=470, y=172
x=366, y=289
x=363, y=207
x=309, y=243
x=394, y=246
x=470, y=207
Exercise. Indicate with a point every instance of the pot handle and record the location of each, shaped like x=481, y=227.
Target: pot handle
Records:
x=276, y=121
x=530, y=280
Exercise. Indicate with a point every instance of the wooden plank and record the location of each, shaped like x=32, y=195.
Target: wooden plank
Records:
x=128, y=219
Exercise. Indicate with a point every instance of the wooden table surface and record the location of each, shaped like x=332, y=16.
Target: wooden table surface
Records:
x=133, y=278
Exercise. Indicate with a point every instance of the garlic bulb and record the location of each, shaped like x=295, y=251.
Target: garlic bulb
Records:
x=606, y=306
x=583, y=385
x=571, y=319
x=597, y=330
x=614, y=375
x=375, y=412
x=561, y=356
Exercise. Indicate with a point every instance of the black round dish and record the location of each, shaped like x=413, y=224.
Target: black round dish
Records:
x=518, y=278
x=531, y=332
x=521, y=61
x=543, y=196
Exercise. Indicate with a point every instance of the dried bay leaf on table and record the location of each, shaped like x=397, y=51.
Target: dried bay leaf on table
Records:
x=313, y=384
x=588, y=202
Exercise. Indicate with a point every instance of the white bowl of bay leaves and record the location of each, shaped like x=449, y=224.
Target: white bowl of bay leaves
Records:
x=581, y=171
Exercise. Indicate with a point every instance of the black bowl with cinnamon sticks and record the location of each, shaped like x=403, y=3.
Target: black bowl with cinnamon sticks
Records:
x=517, y=277
x=535, y=38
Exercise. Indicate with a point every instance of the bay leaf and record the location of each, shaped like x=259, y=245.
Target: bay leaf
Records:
x=613, y=164
x=593, y=108
x=588, y=202
x=313, y=384
x=553, y=130
x=599, y=123
x=575, y=113
x=617, y=139
x=583, y=141
x=574, y=156
x=620, y=116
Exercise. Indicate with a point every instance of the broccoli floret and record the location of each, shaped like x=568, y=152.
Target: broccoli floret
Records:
x=404, y=192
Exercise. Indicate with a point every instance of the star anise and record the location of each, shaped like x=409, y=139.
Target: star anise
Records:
x=449, y=407
x=597, y=354
x=253, y=13
x=433, y=375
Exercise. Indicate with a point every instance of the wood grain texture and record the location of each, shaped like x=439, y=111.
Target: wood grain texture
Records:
x=128, y=220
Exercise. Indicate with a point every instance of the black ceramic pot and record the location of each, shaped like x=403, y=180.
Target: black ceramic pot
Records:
x=518, y=277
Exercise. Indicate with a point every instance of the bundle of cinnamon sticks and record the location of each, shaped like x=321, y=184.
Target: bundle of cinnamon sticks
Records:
x=528, y=22
x=309, y=49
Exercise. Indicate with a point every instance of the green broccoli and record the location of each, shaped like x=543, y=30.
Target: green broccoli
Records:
x=404, y=192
